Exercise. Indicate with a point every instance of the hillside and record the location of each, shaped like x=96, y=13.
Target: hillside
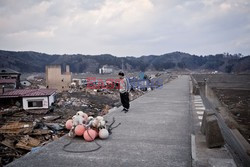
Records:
x=36, y=62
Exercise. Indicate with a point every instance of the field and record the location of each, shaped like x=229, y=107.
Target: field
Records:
x=233, y=93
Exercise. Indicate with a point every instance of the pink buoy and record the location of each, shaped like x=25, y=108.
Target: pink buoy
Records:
x=69, y=124
x=79, y=130
x=89, y=135
x=97, y=131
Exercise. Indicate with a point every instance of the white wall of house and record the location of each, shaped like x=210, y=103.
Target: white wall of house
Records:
x=44, y=100
x=51, y=99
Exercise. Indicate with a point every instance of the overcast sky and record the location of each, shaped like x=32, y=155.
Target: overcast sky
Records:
x=125, y=27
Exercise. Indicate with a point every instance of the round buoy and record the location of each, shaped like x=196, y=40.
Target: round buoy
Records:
x=97, y=131
x=100, y=118
x=103, y=134
x=90, y=118
x=89, y=135
x=95, y=123
x=85, y=116
x=102, y=123
x=79, y=130
x=69, y=124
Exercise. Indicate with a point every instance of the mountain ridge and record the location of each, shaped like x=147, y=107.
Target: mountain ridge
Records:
x=30, y=61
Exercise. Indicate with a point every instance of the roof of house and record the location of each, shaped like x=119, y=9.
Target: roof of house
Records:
x=28, y=93
x=8, y=71
x=4, y=81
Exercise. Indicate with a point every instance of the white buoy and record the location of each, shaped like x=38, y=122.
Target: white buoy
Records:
x=90, y=118
x=102, y=123
x=103, y=134
x=100, y=118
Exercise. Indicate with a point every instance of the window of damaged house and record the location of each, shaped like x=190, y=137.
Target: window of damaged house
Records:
x=36, y=103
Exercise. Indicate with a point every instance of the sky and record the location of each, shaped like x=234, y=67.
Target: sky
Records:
x=125, y=27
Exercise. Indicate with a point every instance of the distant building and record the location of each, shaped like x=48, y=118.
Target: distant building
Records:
x=105, y=70
x=30, y=98
x=9, y=79
x=55, y=79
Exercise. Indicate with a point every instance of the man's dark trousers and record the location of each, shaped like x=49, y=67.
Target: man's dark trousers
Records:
x=125, y=99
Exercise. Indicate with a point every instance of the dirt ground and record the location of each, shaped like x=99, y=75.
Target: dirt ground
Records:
x=237, y=102
x=233, y=91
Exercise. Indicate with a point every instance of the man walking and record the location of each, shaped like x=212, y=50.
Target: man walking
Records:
x=124, y=89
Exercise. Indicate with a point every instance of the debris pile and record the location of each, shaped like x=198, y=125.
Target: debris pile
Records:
x=22, y=132
x=73, y=101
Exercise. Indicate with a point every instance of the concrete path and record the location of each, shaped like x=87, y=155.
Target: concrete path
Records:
x=155, y=132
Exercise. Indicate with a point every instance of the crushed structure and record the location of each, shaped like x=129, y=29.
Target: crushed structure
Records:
x=9, y=79
x=55, y=79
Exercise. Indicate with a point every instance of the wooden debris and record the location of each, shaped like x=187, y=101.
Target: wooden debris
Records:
x=55, y=137
x=9, y=143
x=27, y=143
x=10, y=111
x=38, y=111
x=17, y=127
x=38, y=132
x=51, y=118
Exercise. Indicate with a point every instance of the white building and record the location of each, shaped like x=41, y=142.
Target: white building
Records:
x=105, y=70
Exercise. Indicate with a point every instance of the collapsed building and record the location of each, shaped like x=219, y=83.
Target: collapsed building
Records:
x=9, y=79
x=55, y=79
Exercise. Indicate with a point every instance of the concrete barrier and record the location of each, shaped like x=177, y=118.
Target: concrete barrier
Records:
x=214, y=137
x=195, y=88
x=207, y=112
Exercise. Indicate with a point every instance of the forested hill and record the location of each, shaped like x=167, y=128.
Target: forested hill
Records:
x=35, y=62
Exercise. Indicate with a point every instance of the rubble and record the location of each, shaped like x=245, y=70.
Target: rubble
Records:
x=27, y=143
x=39, y=132
x=16, y=128
x=22, y=131
x=54, y=126
x=39, y=112
x=51, y=118
x=8, y=143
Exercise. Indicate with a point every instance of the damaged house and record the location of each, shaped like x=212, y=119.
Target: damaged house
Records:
x=29, y=98
x=9, y=79
x=55, y=79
